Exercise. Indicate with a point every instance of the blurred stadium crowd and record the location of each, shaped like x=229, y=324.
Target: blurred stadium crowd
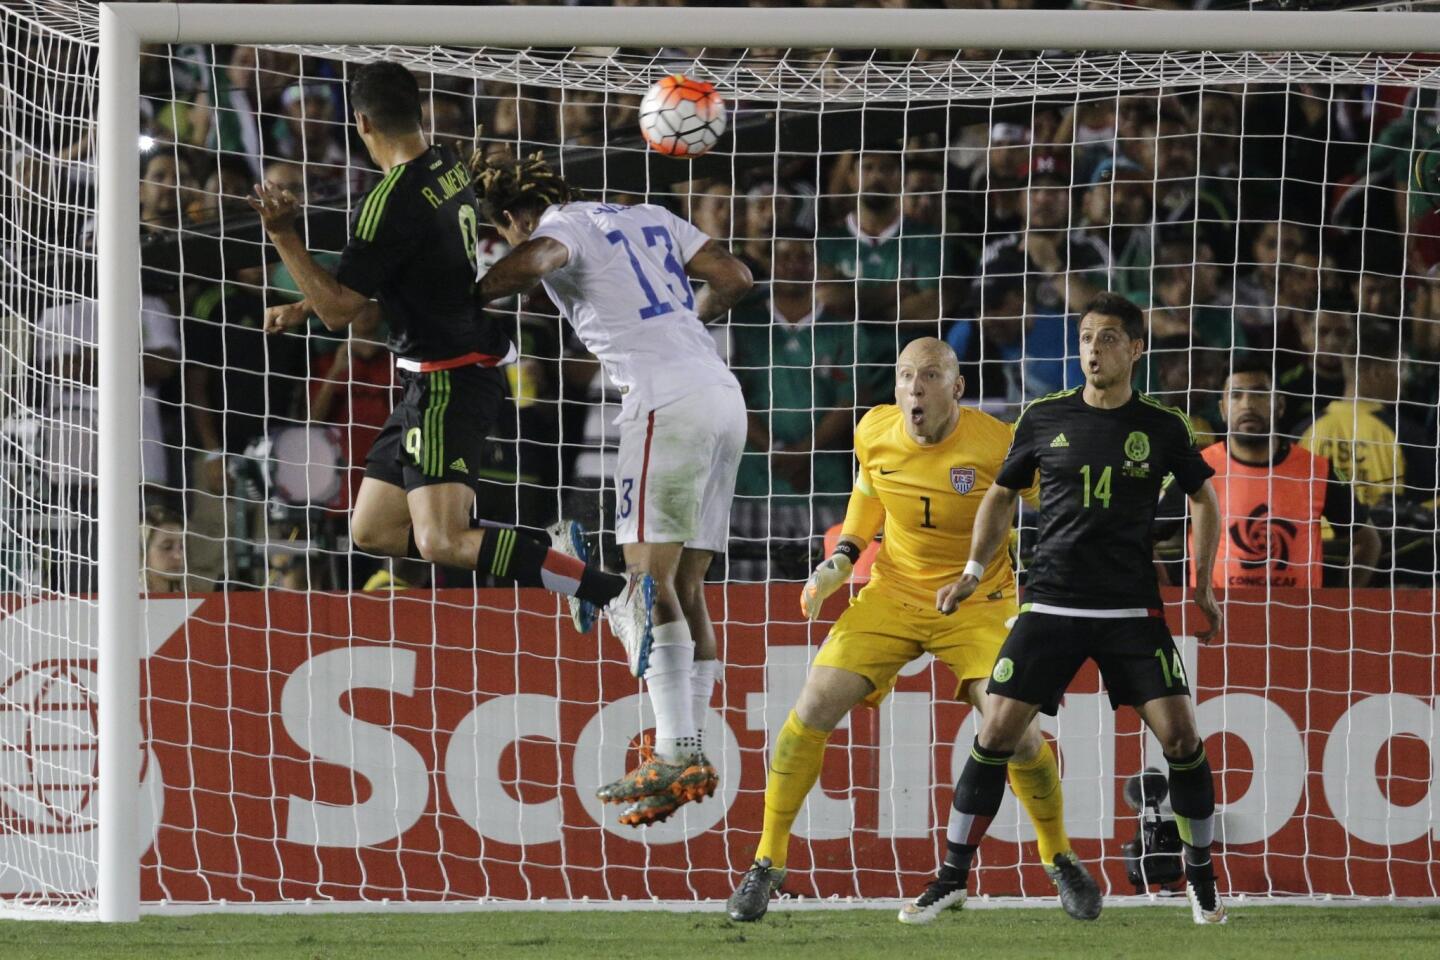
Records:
x=1294, y=223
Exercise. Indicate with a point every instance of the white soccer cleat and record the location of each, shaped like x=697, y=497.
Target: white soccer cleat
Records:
x=631, y=618
x=1199, y=914
x=568, y=537
x=937, y=898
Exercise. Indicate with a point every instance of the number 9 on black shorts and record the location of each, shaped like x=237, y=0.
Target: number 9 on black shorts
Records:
x=1138, y=659
x=438, y=431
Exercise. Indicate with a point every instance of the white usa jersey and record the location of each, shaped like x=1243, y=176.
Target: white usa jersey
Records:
x=625, y=292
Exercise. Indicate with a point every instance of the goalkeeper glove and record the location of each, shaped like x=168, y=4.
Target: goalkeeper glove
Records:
x=828, y=577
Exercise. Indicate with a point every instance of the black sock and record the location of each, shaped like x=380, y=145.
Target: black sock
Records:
x=600, y=587
x=1192, y=797
x=510, y=555
x=507, y=553
x=978, y=794
x=1200, y=874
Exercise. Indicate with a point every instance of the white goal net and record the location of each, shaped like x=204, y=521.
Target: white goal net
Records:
x=323, y=726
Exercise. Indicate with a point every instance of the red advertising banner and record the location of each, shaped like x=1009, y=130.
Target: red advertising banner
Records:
x=446, y=746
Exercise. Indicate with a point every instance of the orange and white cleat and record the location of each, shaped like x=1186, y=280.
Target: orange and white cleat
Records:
x=701, y=778
x=648, y=810
x=686, y=781
x=697, y=782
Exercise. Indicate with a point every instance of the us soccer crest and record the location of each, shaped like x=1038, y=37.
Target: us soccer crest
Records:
x=962, y=479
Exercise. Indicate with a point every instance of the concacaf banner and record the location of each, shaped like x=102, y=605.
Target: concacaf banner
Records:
x=446, y=747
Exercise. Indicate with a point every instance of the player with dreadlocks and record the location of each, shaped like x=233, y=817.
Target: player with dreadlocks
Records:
x=411, y=260
x=622, y=276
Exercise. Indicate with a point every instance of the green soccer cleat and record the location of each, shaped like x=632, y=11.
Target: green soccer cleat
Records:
x=751, y=898
x=937, y=898
x=1079, y=893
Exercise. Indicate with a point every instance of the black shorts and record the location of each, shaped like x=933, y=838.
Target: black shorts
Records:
x=1137, y=657
x=438, y=431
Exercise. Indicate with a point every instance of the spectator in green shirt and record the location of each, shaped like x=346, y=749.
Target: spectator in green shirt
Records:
x=891, y=266
x=795, y=358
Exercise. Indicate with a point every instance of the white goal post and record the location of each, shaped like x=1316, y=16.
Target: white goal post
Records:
x=124, y=27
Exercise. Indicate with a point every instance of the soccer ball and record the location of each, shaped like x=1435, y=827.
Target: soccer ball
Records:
x=681, y=117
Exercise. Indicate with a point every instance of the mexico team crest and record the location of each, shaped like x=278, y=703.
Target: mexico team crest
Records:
x=962, y=479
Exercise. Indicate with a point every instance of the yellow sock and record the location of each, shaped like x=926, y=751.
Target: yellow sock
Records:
x=794, y=768
x=1037, y=784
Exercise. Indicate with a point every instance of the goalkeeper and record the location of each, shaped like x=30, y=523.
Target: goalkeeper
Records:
x=925, y=464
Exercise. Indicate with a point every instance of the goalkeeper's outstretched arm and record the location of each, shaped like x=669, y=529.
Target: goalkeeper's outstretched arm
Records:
x=863, y=518
x=992, y=528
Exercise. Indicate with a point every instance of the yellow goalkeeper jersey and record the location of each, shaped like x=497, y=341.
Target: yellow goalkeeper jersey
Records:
x=931, y=495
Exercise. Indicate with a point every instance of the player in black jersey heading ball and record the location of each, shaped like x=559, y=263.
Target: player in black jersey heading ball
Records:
x=1102, y=452
x=411, y=256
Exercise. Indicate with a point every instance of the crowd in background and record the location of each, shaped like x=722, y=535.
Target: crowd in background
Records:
x=1297, y=223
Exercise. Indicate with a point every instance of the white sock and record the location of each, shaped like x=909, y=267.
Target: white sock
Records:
x=702, y=688
x=668, y=682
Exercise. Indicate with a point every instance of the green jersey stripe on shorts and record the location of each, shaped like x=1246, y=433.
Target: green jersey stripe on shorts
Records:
x=434, y=428
x=418, y=447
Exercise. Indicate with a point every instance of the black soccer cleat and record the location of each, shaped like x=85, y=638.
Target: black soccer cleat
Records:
x=751, y=898
x=1079, y=893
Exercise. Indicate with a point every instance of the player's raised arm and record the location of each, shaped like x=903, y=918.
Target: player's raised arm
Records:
x=992, y=528
x=1205, y=514
x=522, y=268
x=335, y=304
x=863, y=518
x=288, y=316
x=726, y=277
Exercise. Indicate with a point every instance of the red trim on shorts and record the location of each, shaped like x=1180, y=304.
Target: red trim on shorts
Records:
x=469, y=359
x=644, y=473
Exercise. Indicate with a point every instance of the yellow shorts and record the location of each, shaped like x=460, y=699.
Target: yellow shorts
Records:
x=878, y=635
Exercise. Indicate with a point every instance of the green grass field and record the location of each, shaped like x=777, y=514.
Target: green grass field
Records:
x=1274, y=933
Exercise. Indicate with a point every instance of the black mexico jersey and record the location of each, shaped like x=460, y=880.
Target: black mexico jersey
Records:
x=1100, y=479
x=412, y=247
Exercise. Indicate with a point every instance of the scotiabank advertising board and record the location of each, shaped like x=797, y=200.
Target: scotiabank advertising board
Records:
x=447, y=746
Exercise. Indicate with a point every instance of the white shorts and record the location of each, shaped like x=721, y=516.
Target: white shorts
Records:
x=676, y=470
